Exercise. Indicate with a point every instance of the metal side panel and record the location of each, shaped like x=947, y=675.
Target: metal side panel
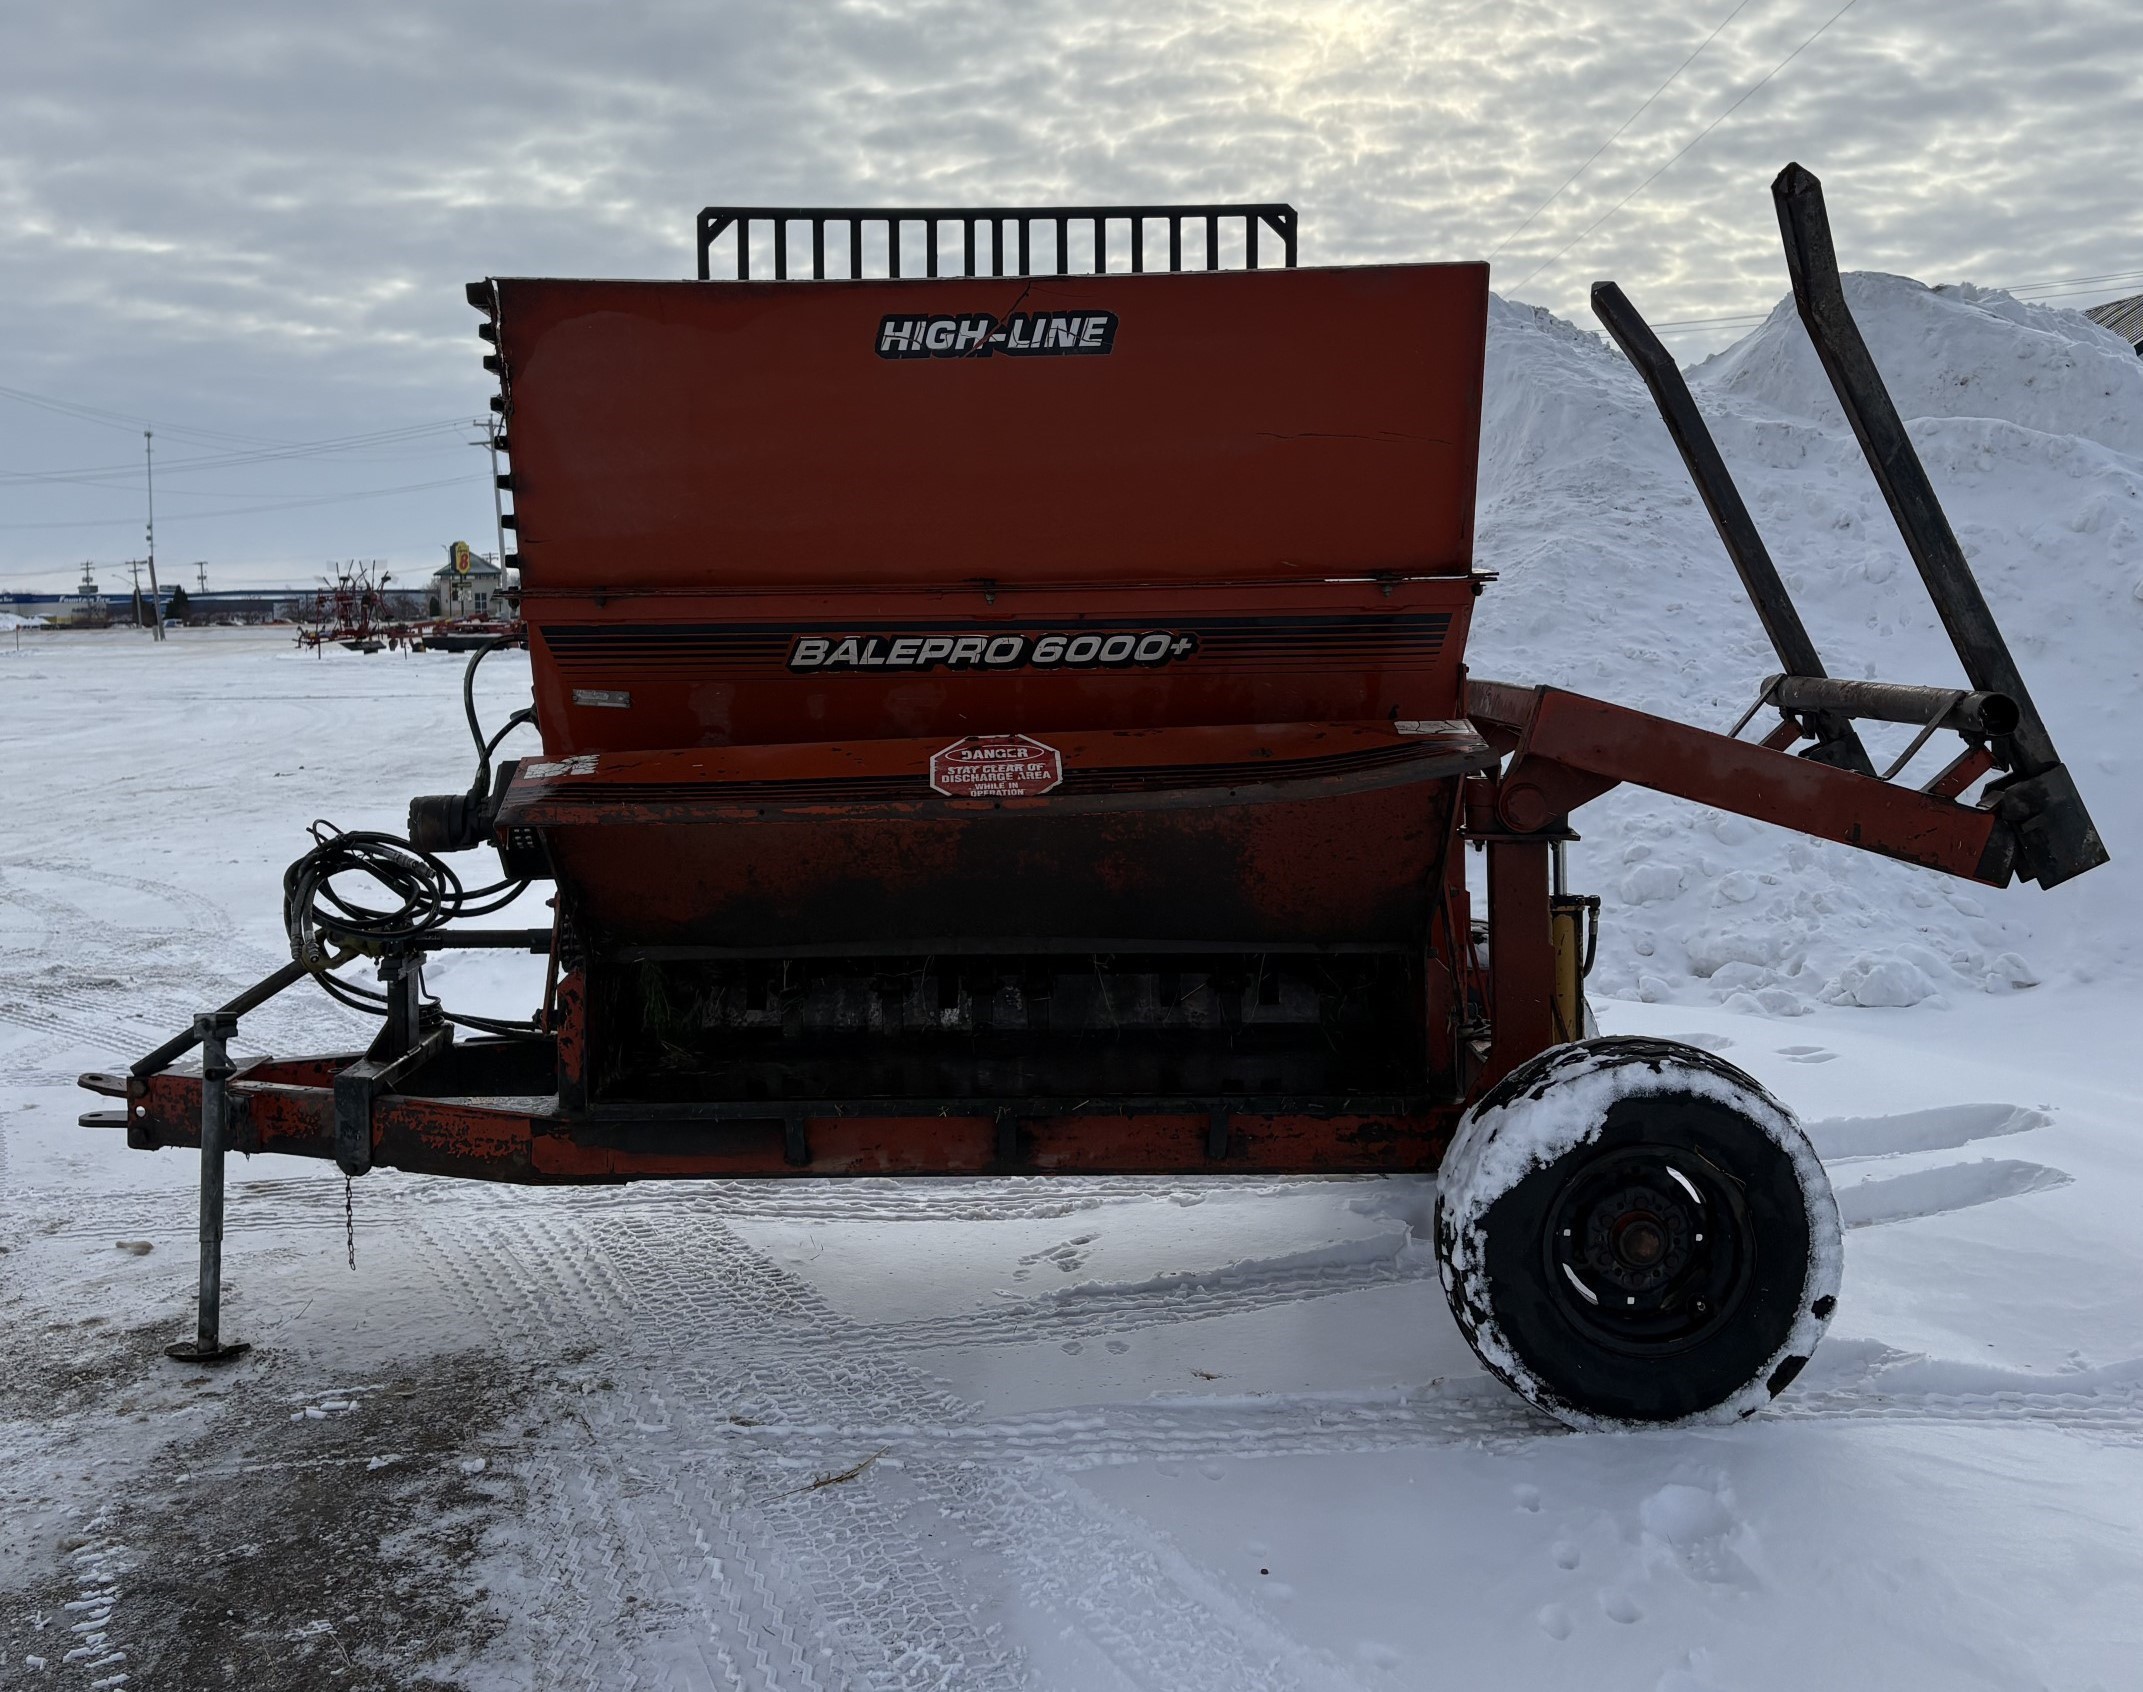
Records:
x=1318, y=834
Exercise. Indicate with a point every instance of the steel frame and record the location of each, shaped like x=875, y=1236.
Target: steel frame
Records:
x=450, y=1117
x=524, y=1110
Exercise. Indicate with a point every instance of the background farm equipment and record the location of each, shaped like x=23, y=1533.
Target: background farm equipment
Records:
x=1015, y=722
x=360, y=611
x=353, y=610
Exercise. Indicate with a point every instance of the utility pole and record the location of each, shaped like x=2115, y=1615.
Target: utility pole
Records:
x=134, y=569
x=156, y=600
x=490, y=426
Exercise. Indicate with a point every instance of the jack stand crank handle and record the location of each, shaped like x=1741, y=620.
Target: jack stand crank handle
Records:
x=214, y=1031
x=251, y=999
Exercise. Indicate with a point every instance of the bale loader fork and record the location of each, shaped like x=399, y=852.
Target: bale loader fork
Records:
x=2030, y=821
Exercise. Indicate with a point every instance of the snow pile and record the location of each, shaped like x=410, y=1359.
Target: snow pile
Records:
x=2030, y=422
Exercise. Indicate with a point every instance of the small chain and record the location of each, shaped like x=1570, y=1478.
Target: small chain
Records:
x=349, y=1219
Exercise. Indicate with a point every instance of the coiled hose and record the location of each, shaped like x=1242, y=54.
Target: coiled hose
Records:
x=328, y=925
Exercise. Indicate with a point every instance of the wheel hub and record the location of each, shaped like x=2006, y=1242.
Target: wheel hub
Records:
x=1647, y=1249
x=1639, y=1236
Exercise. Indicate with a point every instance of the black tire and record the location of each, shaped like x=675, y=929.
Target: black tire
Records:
x=1633, y=1232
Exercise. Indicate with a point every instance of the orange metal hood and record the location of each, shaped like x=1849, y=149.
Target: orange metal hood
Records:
x=1283, y=425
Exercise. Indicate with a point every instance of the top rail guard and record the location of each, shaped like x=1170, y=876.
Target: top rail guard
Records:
x=983, y=236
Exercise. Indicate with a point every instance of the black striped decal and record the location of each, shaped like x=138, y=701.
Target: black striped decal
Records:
x=1354, y=641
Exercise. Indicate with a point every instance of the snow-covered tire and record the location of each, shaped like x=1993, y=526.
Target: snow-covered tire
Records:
x=1632, y=1232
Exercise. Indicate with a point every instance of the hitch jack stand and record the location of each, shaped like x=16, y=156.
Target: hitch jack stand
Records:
x=214, y=1031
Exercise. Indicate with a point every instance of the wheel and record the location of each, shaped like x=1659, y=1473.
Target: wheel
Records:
x=1632, y=1232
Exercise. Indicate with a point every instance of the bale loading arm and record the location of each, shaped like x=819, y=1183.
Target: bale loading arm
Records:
x=2030, y=822
x=1563, y=749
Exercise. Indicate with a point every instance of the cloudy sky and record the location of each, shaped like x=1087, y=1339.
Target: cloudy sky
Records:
x=248, y=226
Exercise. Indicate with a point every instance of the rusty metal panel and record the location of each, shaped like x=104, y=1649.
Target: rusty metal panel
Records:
x=1352, y=869
x=1145, y=769
x=1157, y=1143
x=1097, y=1143
x=572, y=1039
x=1318, y=834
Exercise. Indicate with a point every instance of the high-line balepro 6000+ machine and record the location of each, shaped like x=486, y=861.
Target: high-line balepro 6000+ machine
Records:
x=1005, y=722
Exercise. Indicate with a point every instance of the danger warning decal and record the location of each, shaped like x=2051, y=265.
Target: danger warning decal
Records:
x=976, y=334
x=996, y=766
x=1116, y=649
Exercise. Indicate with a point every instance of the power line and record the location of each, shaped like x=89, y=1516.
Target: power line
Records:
x=251, y=510
x=1620, y=128
x=1743, y=99
x=2076, y=285
x=123, y=419
x=103, y=483
x=2052, y=288
x=40, y=570
x=2065, y=281
x=93, y=474
x=1742, y=321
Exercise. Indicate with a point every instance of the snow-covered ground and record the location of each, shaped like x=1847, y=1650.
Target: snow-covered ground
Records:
x=1168, y=1434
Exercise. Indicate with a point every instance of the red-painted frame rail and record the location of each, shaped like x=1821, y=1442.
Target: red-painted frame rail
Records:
x=1567, y=749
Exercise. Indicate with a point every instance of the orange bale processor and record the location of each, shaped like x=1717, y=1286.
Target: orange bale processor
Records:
x=1013, y=720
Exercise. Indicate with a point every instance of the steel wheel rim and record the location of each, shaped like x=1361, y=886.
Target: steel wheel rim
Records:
x=1647, y=1249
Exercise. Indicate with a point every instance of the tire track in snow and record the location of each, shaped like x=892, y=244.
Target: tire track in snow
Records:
x=594, y=1549
x=1471, y=1412
x=782, y=1350
x=96, y=992
x=89, y=986
x=738, y=1387
x=1096, y=1308
x=1123, y=1595
x=1180, y=1430
x=683, y=1546
x=298, y=1201
x=657, y=1559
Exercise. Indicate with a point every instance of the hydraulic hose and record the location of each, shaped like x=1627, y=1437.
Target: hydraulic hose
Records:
x=414, y=893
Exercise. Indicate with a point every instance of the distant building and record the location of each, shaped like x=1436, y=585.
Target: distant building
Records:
x=85, y=608
x=243, y=605
x=482, y=590
x=2123, y=317
x=467, y=585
